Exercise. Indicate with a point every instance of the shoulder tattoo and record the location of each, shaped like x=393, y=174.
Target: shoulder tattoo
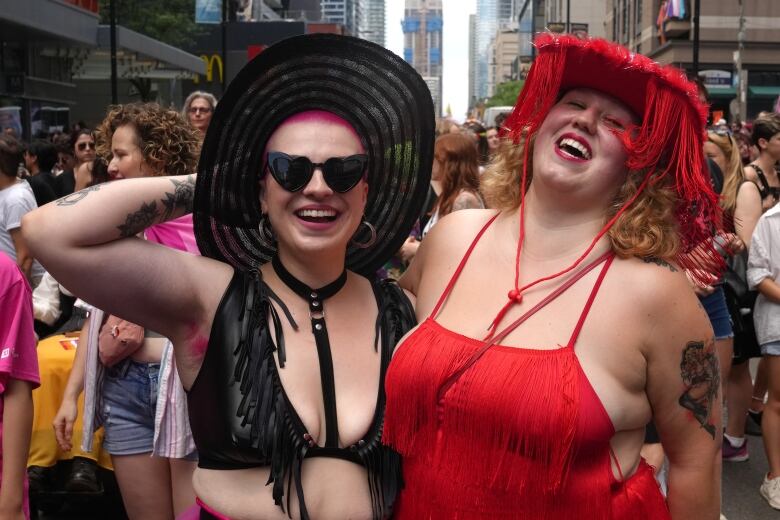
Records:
x=659, y=262
x=465, y=202
x=701, y=376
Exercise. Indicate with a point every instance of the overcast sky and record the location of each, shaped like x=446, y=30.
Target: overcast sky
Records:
x=456, y=48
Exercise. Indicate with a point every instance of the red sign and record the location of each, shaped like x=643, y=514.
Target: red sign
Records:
x=254, y=50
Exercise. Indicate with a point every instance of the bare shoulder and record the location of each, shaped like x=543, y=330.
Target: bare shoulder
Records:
x=665, y=303
x=445, y=244
x=653, y=283
x=456, y=231
x=750, y=173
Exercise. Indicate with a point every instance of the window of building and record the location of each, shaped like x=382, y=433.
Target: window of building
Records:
x=626, y=18
x=615, y=22
x=638, y=18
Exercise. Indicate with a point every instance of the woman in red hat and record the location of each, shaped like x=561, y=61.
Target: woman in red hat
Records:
x=568, y=324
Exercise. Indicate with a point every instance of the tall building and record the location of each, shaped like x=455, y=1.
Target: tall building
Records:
x=667, y=37
x=472, y=60
x=503, y=59
x=344, y=12
x=585, y=18
x=372, y=21
x=491, y=15
x=422, y=26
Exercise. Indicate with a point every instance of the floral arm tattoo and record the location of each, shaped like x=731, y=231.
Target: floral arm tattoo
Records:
x=181, y=198
x=174, y=204
x=701, y=377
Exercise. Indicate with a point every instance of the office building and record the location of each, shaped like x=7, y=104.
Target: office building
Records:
x=422, y=26
x=372, y=21
x=344, y=12
x=667, y=37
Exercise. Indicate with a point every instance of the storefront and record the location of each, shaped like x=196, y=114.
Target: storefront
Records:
x=47, y=46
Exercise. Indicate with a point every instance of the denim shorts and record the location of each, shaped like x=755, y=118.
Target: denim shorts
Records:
x=129, y=404
x=771, y=349
x=718, y=313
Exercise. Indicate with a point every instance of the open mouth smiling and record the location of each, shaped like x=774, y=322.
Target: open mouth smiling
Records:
x=317, y=215
x=574, y=147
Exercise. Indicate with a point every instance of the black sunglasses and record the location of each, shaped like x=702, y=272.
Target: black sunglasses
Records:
x=84, y=145
x=294, y=172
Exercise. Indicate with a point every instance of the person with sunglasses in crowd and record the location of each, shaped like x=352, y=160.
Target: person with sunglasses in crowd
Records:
x=82, y=143
x=310, y=178
x=568, y=325
x=198, y=109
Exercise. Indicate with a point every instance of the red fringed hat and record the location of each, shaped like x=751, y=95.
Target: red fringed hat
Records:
x=667, y=142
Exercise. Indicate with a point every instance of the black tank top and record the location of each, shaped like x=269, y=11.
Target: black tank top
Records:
x=240, y=415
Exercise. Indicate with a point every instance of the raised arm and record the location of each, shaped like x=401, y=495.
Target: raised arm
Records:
x=87, y=240
x=683, y=386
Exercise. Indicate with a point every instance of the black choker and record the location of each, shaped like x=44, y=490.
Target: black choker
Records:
x=316, y=297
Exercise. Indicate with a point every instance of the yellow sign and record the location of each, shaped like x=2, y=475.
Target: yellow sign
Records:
x=210, y=62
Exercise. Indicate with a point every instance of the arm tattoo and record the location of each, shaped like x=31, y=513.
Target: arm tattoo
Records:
x=181, y=198
x=701, y=376
x=74, y=198
x=139, y=220
x=660, y=262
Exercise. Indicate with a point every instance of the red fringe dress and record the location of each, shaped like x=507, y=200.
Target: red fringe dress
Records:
x=494, y=432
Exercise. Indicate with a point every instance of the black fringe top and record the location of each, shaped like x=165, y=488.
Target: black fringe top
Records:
x=240, y=415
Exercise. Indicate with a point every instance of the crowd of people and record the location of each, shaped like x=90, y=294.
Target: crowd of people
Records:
x=313, y=300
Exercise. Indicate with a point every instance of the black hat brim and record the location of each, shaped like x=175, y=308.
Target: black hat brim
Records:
x=379, y=94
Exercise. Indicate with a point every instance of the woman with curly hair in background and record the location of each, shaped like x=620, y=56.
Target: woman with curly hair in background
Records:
x=139, y=400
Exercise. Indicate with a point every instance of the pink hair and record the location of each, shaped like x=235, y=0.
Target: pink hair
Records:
x=322, y=116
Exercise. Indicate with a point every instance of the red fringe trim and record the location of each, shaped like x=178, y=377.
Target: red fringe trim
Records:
x=501, y=442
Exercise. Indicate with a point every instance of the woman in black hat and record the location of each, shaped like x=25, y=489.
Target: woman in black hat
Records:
x=312, y=173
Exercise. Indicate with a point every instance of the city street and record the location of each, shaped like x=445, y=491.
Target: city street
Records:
x=741, y=480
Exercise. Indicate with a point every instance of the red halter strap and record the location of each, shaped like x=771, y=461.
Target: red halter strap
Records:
x=516, y=294
x=461, y=265
x=495, y=339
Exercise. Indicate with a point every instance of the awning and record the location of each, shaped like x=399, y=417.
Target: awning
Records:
x=138, y=56
x=765, y=91
x=728, y=92
x=47, y=20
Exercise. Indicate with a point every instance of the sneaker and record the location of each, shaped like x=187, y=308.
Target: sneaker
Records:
x=732, y=454
x=770, y=490
x=753, y=423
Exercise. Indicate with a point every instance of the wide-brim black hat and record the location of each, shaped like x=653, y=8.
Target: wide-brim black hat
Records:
x=377, y=92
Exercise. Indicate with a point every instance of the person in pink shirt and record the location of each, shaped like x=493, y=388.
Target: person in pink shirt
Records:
x=18, y=378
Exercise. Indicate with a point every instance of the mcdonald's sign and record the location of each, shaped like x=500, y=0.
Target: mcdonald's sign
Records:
x=210, y=61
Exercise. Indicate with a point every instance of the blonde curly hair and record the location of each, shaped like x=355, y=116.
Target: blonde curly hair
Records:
x=648, y=228
x=167, y=142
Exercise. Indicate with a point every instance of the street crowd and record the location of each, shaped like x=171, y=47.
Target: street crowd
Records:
x=547, y=315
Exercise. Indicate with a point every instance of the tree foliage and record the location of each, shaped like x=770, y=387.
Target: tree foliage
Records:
x=506, y=94
x=170, y=21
